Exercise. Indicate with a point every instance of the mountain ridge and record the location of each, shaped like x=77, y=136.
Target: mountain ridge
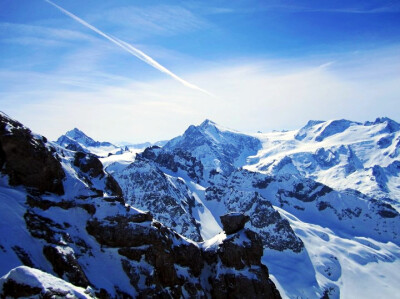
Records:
x=301, y=197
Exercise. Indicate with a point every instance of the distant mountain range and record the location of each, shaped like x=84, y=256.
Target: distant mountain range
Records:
x=323, y=203
x=76, y=140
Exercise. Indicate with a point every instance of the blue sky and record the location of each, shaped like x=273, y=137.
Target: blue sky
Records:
x=268, y=65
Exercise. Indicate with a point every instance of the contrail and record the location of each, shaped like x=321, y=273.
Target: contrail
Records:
x=132, y=50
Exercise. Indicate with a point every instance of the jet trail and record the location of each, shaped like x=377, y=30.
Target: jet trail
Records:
x=132, y=50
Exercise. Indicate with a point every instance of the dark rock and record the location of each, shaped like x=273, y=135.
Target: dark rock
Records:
x=136, y=218
x=322, y=205
x=385, y=210
x=66, y=265
x=132, y=253
x=113, y=186
x=189, y=256
x=27, y=160
x=241, y=286
x=174, y=160
x=118, y=231
x=44, y=204
x=45, y=228
x=237, y=255
x=241, y=251
x=89, y=163
x=15, y=289
x=233, y=222
x=263, y=184
x=305, y=191
x=146, y=187
x=23, y=256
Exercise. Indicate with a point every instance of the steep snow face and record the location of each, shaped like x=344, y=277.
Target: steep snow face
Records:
x=341, y=154
x=219, y=149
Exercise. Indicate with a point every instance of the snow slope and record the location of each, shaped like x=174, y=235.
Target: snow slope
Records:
x=340, y=154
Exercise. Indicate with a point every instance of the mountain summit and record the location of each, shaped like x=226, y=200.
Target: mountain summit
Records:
x=77, y=140
x=218, y=148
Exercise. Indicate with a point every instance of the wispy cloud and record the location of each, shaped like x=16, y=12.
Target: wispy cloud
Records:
x=132, y=50
x=316, y=7
x=166, y=20
x=254, y=95
x=21, y=32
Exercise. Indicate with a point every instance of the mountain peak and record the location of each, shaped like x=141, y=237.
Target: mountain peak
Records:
x=207, y=122
x=76, y=133
x=390, y=127
x=77, y=140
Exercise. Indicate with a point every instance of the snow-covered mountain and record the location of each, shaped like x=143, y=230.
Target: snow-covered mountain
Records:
x=211, y=170
x=323, y=202
x=76, y=140
x=219, y=149
x=340, y=154
x=67, y=232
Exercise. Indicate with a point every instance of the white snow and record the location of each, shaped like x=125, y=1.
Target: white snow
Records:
x=39, y=279
x=361, y=140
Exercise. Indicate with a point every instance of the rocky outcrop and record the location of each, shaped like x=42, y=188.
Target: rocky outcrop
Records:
x=241, y=252
x=233, y=222
x=28, y=159
x=275, y=231
x=176, y=266
x=88, y=163
x=169, y=200
x=174, y=160
x=66, y=265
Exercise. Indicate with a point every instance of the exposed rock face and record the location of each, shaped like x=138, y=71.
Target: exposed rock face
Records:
x=174, y=160
x=233, y=222
x=169, y=200
x=275, y=232
x=166, y=254
x=28, y=160
x=217, y=148
x=240, y=251
x=88, y=163
x=66, y=265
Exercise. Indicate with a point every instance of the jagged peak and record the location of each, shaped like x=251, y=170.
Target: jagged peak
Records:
x=391, y=125
x=208, y=122
x=312, y=123
x=75, y=132
x=209, y=125
x=384, y=119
